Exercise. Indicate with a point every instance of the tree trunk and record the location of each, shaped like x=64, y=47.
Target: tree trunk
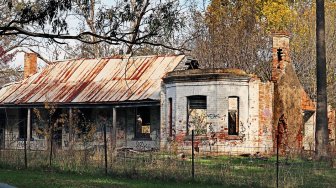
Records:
x=321, y=134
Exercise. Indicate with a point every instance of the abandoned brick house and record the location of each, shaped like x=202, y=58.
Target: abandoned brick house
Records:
x=153, y=103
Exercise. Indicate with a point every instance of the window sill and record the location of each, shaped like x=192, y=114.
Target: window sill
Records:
x=233, y=137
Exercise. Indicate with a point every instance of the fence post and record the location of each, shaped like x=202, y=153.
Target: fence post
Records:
x=277, y=158
x=25, y=152
x=192, y=155
x=51, y=141
x=105, y=148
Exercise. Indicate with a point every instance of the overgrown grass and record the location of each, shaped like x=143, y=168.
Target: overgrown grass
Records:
x=36, y=179
x=227, y=171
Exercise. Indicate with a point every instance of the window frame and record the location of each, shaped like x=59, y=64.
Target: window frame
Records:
x=190, y=107
x=233, y=131
x=145, y=121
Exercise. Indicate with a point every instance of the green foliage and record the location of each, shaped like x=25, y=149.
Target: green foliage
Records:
x=236, y=34
x=122, y=22
x=38, y=179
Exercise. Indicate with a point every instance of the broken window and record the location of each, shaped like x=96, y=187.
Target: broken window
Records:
x=142, y=123
x=233, y=115
x=197, y=106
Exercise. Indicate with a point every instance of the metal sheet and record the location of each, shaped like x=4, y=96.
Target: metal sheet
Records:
x=93, y=81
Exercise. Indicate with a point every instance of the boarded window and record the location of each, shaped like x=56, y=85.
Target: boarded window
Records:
x=196, y=118
x=233, y=115
x=142, y=123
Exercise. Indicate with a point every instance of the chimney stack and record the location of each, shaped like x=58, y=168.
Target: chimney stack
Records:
x=30, y=64
x=280, y=51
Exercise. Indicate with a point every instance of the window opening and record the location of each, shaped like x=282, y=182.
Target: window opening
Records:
x=170, y=116
x=196, y=118
x=142, y=123
x=233, y=115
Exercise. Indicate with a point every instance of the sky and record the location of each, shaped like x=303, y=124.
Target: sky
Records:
x=73, y=25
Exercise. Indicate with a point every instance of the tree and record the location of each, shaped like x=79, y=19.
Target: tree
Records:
x=303, y=48
x=7, y=74
x=236, y=33
x=129, y=23
x=321, y=78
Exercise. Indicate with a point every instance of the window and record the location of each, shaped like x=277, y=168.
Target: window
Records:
x=23, y=114
x=82, y=117
x=233, y=115
x=196, y=118
x=40, y=118
x=57, y=121
x=142, y=123
x=22, y=129
x=170, y=116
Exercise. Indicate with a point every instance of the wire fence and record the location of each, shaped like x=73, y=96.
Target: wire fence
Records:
x=253, y=170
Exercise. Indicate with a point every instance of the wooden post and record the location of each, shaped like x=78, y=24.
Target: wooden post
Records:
x=277, y=157
x=28, y=128
x=192, y=155
x=51, y=140
x=114, y=130
x=25, y=151
x=105, y=148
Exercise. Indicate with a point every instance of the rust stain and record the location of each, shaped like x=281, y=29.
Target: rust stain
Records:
x=93, y=80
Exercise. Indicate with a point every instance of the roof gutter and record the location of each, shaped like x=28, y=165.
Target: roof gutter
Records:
x=86, y=105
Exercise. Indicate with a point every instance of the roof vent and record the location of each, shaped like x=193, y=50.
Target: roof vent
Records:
x=192, y=64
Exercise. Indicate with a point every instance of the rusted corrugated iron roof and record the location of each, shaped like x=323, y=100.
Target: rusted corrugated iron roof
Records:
x=93, y=81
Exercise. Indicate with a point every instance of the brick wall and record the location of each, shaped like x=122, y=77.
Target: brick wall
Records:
x=266, y=94
x=287, y=99
x=280, y=41
x=331, y=125
x=30, y=64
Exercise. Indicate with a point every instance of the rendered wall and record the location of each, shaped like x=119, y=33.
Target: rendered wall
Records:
x=251, y=137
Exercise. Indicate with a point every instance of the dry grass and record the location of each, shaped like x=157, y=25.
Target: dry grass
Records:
x=220, y=170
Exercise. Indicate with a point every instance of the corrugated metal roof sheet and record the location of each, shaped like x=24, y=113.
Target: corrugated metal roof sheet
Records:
x=93, y=81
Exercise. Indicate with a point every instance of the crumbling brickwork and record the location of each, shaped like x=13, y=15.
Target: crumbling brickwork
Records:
x=266, y=94
x=287, y=98
x=331, y=125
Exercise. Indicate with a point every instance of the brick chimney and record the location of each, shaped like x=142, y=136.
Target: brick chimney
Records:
x=280, y=51
x=30, y=64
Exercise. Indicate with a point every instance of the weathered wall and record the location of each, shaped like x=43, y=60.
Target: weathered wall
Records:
x=332, y=125
x=70, y=139
x=125, y=130
x=288, y=118
x=216, y=139
x=266, y=97
x=309, y=133
x=287, y=102
x=309, y=130
x=11, y=133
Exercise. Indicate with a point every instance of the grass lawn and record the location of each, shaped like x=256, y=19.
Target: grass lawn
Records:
x=161, y=171
x=29, y=178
